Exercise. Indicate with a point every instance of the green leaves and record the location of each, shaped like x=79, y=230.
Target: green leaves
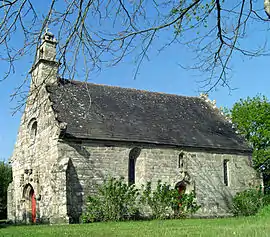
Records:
x=5, y=179
x=114, y=201
x=117, y=201
x=249, y=202
x=159, y=200
x=165, y=201
x=252, y=118
x=193, y=18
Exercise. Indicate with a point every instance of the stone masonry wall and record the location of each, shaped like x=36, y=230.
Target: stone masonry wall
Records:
x=90, y=164
x=34, y=162
x=206, y=173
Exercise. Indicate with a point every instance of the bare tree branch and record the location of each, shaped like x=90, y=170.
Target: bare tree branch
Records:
x=97, y=34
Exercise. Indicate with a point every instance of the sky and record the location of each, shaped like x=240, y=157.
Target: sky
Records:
x=161, y=73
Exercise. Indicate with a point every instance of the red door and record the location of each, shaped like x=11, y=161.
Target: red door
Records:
x=33, y=199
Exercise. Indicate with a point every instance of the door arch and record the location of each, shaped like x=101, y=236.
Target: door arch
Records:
x=30, y=203
x=181, y=188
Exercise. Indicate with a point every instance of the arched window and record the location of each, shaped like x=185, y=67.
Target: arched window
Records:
x=181, y=160
x=34, y=129
x=32, y=126
x=133, y=155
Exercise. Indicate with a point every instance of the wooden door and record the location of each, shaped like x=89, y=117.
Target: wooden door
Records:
x=33, y=203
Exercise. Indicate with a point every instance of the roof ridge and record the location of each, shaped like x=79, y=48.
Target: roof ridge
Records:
x=76, y=82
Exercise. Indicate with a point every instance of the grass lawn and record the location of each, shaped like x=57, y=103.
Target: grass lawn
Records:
x=249, y=226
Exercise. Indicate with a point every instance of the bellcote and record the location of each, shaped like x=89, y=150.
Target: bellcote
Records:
x=47, y=49
x=45, y=68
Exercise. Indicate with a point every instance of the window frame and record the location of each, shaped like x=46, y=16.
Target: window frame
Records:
x=133, y=155
x=226, y=172
x=33, y=129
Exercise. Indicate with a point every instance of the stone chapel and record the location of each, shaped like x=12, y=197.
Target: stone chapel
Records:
x=75, y=134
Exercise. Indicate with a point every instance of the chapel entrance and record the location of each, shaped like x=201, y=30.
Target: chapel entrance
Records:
x=33, y=205
x=181, y=188
x=30, y=204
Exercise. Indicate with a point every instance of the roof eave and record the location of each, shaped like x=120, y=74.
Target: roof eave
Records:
x=67, y=136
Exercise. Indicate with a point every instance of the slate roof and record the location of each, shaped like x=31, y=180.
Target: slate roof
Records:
x=93, y=111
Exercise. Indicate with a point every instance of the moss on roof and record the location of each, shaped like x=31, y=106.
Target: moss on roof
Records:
x=94, y=111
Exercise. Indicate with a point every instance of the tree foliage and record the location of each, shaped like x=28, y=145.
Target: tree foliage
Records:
x=5, y=179
x=93, y=34
x=252, y=118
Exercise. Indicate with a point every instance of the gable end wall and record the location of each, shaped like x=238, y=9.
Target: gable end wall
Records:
x=40, y=157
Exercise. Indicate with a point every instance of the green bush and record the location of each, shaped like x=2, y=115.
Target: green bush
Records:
x=249, y=202
x=164, y=201
x=114, y=201
x=187, y=205
x=160, y=201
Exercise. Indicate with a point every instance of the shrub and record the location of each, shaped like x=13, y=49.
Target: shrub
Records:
x=160, y=201
x=164, y=201
x=114, y=201
x=249, y=202
x=186, y=205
